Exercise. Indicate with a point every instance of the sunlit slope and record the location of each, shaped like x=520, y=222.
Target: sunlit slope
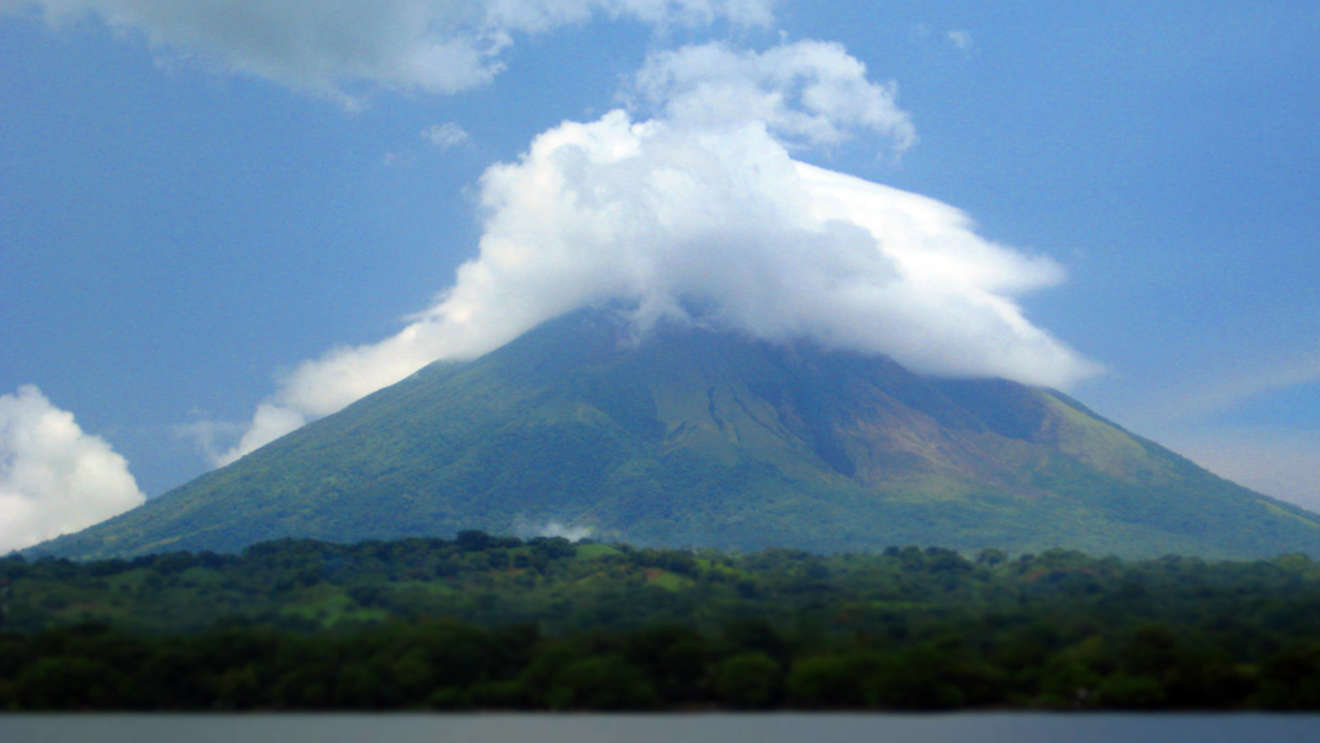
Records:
x=691, y=437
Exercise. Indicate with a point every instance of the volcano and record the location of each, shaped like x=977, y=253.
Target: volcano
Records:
x=692, y=437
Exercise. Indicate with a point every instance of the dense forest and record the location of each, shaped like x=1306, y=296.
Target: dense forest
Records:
x=484, y=622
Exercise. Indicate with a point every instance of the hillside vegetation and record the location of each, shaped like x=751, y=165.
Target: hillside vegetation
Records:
x=687, y=437
x=489, y=622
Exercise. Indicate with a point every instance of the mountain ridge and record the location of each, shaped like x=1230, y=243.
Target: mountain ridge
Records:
x=688, y=436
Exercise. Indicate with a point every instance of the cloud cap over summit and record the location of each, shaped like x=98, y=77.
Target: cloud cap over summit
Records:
x=686, y=206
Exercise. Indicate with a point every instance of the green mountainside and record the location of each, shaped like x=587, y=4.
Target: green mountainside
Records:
x=690, y=437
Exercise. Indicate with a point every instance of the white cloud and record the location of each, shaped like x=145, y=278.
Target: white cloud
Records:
x=333, y=48
x=208, y=434
x=806, y=93
x=528, y=529
x=54, y=479
x=685, y=208
x=962, y=40
x=445, y=135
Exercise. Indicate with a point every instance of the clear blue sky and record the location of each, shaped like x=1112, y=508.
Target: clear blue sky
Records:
x=191, y=205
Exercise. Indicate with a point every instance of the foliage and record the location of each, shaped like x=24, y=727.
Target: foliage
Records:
x=497, y=622
x=697, y=438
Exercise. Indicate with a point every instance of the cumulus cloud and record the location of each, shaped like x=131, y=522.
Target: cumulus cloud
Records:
x=54, y=478
x=688, y=209
x=333, y=47
x=807, y=93
x=445, y=135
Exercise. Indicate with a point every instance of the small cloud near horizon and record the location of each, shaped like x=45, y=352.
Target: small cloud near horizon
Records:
x=1283, y=463
x=1230, y=390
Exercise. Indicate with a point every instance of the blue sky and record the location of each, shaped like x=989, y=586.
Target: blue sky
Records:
x=198, y=204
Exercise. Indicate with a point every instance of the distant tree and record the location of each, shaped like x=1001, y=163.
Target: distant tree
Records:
x=472, y=540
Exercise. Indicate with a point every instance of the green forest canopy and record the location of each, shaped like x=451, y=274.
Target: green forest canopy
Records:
x=494, y=622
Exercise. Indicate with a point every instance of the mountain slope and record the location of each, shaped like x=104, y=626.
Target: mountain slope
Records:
x=693, y=437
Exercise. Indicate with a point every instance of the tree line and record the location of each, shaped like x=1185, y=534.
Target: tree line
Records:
x=484, y=622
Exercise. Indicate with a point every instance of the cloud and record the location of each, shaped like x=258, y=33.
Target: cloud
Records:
x=1284, y=463
x=962, y=40
x=54, y=479
x=809, y=93
x=529, y=529
x=692, y=209
x=1229, y=392
x=445, y=135
x=332, y=48
x=207, y=434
